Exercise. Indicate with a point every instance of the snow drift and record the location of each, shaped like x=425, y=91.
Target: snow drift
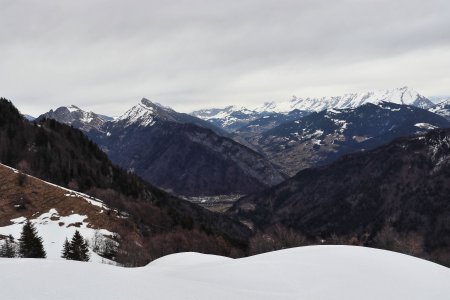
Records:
x=317, y=272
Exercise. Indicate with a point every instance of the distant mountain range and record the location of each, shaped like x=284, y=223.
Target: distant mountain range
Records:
x=321, y=137
x=178, y=152
x=229, y=118
x=232, y=118
x=236, y=151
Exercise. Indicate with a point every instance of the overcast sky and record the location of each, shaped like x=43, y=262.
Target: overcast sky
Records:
x=105, y=55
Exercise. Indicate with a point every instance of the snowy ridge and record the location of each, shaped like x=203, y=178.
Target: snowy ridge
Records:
x=232, y=114
x=442, y=109
x=317, y=272
x=402, y=95
x=75, y=116
x=145, y=114
x=142, y=114
x=208, y=114
x=230, y=117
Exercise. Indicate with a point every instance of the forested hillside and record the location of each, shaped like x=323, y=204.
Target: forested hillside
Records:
x=63, y=155
x=394, y=197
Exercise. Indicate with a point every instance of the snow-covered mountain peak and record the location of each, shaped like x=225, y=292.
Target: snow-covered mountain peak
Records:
x=77, y=117
x=146, y=112
x=142, y=114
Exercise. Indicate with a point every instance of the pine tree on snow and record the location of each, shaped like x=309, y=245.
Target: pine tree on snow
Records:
x=66, y=250
x=78, y=248
x=7, y=249
x=30, y=244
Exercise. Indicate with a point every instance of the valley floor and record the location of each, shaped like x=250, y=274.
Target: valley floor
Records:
x=214, y=203
x=316, y=272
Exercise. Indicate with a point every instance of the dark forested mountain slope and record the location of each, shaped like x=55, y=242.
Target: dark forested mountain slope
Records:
x=63, y=155
x=404, y=185
x=322, y=137
x=182, y=157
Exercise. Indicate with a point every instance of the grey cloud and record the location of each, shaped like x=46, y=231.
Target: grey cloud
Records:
x=106, y=55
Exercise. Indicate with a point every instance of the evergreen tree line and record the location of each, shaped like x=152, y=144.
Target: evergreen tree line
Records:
x=30, y=245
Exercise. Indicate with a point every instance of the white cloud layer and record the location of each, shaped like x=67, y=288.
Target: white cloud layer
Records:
x=105, y=55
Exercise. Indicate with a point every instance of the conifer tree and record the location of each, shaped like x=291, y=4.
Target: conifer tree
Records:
x=7, y=249
x=66, y=250
x=78, y=248
x=30, y=244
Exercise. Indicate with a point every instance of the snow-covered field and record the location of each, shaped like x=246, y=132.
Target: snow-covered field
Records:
x=54, y=229
x=316, y=272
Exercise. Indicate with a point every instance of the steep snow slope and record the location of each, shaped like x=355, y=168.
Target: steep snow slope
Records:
x=318, y=272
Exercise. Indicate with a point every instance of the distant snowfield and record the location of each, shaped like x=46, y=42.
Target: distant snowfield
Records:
x=316, y=272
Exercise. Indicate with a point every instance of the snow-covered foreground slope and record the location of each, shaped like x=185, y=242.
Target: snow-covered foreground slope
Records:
x=318, y=272
x=56, y=212
x=55, y=229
